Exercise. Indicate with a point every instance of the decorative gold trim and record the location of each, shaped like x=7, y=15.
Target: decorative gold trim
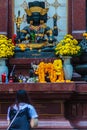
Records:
x=36, y=9
x=37, y=27
x=23, y=31
x=31, y=45
x=37, y=45
x=55, y=27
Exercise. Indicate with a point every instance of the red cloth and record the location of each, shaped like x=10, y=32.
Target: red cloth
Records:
x=13, y=39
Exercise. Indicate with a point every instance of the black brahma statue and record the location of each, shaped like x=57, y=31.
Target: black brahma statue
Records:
x=36, y=37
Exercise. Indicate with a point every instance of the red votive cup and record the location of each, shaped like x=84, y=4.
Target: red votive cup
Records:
x=3, y=77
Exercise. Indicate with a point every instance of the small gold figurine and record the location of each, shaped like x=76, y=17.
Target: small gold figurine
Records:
x=18, y=20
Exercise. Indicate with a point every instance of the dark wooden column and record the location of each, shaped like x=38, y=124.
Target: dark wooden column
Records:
x=10, y=18
x=6, y=17
x=3, y=16
x=76, y=17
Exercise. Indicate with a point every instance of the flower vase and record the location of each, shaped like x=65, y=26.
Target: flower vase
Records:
x=3, y=68
x=68, y=68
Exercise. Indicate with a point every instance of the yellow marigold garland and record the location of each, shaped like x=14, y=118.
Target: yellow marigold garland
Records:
x=55, y=71
x=58, y=67
x=40, y=72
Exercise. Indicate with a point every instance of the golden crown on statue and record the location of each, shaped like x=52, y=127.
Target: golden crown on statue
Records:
x=30, y=10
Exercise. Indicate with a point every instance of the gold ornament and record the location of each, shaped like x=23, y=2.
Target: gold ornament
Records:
x=40, y=10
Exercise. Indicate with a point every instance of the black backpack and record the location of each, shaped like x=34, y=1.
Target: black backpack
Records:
x=21, y=121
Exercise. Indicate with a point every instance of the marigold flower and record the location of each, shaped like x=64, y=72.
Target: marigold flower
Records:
x=68, y=46
x=6, y=47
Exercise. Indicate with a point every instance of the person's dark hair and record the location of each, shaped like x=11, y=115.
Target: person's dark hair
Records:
x=22, y=96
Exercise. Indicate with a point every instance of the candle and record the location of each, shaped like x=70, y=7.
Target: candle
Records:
x=3, y=77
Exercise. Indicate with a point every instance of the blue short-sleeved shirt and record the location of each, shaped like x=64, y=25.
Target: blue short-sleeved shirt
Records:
x=32, y=111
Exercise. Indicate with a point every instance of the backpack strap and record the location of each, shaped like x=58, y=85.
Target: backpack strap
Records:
x=13, y=120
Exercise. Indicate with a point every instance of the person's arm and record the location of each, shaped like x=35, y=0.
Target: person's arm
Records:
x=34, y=122
x=8, y=122
x=34, y=117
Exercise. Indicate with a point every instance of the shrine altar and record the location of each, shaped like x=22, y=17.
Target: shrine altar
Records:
x=59, y=105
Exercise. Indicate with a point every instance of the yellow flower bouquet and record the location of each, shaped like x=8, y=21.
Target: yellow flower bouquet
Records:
x=6, y=47
x=68, y=47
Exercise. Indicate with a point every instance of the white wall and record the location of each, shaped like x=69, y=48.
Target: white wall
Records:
x=55, y=6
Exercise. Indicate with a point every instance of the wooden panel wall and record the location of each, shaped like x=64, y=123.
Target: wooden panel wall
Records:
x=6, y=17
x=10, y=17
x=3, y=16
x=77, y=17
